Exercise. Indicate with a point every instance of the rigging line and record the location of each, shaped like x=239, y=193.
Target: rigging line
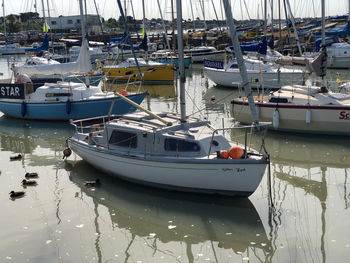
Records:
x=214, y=103
x=245, y=4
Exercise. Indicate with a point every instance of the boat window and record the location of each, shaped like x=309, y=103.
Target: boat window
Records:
x=278, y=100
x=63, y=94
x=180, y=145
x=234, y=66
x=124, y=139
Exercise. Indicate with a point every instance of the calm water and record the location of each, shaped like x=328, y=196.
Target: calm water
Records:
x=60, y=220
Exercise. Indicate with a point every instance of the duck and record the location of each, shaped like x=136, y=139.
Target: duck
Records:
x=17, y=157
x=31, y=175
x=28, y=182
x=14, y=194
x=67, y=152
x=92, y=183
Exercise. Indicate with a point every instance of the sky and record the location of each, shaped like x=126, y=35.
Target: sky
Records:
x=241, y=9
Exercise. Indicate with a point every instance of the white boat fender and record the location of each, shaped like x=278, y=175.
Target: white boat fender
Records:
x=23, y=108
x=276, y=118
x=68, y=106
x=308, y=116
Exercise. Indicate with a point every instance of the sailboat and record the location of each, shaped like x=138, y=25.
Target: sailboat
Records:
x=171, y=151
x=302, y=108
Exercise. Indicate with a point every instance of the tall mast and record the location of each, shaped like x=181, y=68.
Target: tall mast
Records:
x=193, y=20
x=35, y=7
x=42, y=3
x=240, y=61
x=323, y=6
x=202, y=7
x=294, y=28
x=272, y=18
x=82, y=20
x=164, y=27
x=181, y=60
x=265, y=17
x=173, y=25
x=279, y=23
x=3, y=13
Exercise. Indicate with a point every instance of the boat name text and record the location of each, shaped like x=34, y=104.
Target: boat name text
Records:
x=344, y=116
x=12, y=91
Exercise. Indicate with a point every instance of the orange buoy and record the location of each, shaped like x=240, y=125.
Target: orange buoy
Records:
x=236, y=152
x=224, y=154
x=123, y=92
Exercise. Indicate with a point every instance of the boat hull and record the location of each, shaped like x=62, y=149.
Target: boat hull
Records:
x=292, y=118
x=270, y=79
x=78, y=109
x=233, y=178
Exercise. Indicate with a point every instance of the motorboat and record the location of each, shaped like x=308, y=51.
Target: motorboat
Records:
x=297, y=108
x=172, y=151
x=199, y=54
x=259, y=73
x=62, y=101
x=152, y=72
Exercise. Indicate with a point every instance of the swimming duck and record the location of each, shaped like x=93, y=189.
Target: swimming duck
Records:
x=67, y=152
x=92, y=183
x=17, y=157
x=31, y=175
x=28, y=182
x=14, y=194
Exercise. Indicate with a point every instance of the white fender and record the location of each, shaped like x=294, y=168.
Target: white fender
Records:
x=276, y=119
x=308, y=116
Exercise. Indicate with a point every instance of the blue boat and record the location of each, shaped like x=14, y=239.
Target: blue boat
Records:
x=62, y=101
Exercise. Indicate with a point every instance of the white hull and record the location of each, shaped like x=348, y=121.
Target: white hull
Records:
x=324, y=119
x=204, y=175
x=269, y=79
x=338, y=62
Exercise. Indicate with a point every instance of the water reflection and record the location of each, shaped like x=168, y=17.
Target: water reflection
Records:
x=25, y=137
x=167, y=217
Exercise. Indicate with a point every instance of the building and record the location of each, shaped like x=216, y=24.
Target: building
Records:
x=73, y=24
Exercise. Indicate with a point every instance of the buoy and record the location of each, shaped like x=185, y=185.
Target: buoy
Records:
x=213, y=98
x=308, y=116
x=67, y=152
x=224, y=155
x=68, y=106
x=23, y=108
x=276, y=119
x=236, y=152
x=123, y=92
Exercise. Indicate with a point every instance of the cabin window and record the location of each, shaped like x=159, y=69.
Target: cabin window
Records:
x=123, y=139
x=234, y=66
x=63, y=94
x=278, y=100
x=180, y=145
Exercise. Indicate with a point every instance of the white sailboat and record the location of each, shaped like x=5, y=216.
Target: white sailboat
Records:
x=305, y=109
x=170, y=151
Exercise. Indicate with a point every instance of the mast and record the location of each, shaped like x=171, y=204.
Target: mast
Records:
x=42, y=3
x=265, y=17
x=323, y=6
x=3, y=12
x=272, y=19
x=279, y=23
x=193, y=20
x=173, y=25
x=294, y=28
x=35, y=7
x=240, y=61
x=164, y=27
x=144, y=25
x=181, y=60
x=217, y=18
x=202, y=7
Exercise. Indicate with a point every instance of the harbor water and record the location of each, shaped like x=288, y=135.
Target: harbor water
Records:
x=62, y=220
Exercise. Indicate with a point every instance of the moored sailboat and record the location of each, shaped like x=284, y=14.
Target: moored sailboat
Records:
x=171, y=151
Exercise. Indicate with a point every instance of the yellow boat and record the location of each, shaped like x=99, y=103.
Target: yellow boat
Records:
x=153, y=72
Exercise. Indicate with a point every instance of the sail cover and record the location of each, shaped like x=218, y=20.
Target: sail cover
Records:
x=260, y=47
x=343, y=30
x=81, y=66
x=44, y=46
